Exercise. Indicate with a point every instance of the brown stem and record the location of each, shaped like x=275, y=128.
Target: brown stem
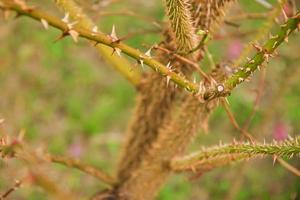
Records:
x=69, y=162
x=16, y=186
x=172, y=140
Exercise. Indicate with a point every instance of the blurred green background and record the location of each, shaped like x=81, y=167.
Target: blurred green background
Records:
x=71, y=103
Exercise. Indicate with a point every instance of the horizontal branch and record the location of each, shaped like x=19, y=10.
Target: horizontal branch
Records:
x=225, y=154
x=101, y=38
x=222, y=89
x=19, y=150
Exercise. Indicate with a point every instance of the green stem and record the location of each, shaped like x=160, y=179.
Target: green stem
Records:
x=261, y=33
x=235, y=151
x=180, y=18
x=263, y=54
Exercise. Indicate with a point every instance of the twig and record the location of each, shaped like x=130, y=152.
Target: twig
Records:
x=289, y=167
x=260, y=90
x=69, y=162
x=246, y=126
x=234, y=122
x=16, y=186
x=210, y=58
x=48, y=185
x=199, y=46
x=19, y=150
x=254, y=110
x=183, y=59
x=233, y=24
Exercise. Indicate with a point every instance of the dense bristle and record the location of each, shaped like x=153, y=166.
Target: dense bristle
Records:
x=207, y=13
x=181, y=22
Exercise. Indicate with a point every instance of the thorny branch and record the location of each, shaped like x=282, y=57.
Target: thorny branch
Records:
x=224, y=154
x=216, y=90
x=100, y=38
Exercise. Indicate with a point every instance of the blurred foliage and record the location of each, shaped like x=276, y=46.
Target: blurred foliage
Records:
x=70, y=102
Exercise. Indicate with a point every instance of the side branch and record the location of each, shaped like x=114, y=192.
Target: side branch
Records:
x=69, y=162
x=19, y=150
x=263, y=54
x=225, y=154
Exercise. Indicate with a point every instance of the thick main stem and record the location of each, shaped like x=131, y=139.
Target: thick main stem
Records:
x=157, y=97
x=153, y=104
x=146, y=181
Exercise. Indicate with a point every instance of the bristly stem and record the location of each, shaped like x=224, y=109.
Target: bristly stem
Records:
x=216, y=156
x=178, y=12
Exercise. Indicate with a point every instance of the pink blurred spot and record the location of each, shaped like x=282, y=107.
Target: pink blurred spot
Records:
x=288, y=10
x=75, y=149
x=280, y=131
x=234, y=49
